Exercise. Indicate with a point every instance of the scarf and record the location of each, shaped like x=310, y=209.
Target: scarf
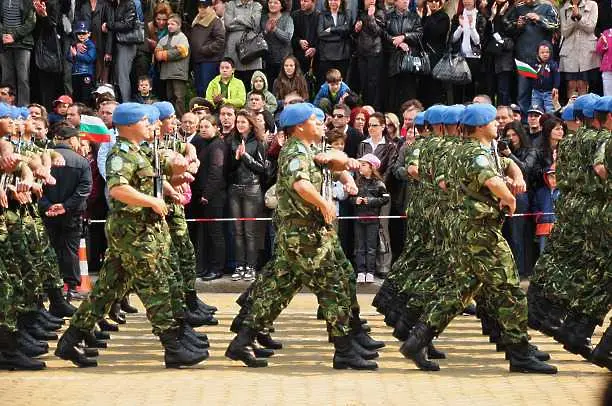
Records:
x=209, y=16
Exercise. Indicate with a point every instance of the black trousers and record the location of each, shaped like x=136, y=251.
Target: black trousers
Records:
x=210, y=241
x=370, y=71
x=366, y=245
x=96, y=246
x=65, y=234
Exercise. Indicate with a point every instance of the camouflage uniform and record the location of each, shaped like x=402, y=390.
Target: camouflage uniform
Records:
x=306, y=250
x=10, y=279
x=133, y=258
x=485, y=255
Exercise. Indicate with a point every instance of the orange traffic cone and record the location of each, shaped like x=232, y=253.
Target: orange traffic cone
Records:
x=85, y=286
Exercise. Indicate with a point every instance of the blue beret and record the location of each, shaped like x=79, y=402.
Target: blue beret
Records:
x=320, y=114
x=295, y=114
x=568, y=113
x=15, y=113
x=604, y=104
x=166, y=109
x=5, y=110
x=129, y=113
x=476, y=115
x=419, y=119
x=452, y=115
x=433, y=115
x=152, y=113
x=24, y=112
x=584, y=104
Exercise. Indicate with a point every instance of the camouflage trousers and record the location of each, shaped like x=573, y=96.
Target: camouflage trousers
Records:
x=182, y=251
x=49, y=271
x=10, y=280
x=486, y=259
x=26, y=296
x=133, y=262
x=305, y=255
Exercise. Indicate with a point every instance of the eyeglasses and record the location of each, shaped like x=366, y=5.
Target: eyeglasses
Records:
x=338, y=116
x=374, y=125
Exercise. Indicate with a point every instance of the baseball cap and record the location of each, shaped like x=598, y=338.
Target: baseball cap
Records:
x=371, y=159
x=81, y=27
x=105, y=89
x=535, y=109
x=63, y=99
x=516, y=108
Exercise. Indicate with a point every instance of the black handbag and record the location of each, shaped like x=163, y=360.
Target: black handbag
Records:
x=251, y=47
x=415, y=62
x=48, y=52
x=135, y=36
x=383, y=244
x=452, y=68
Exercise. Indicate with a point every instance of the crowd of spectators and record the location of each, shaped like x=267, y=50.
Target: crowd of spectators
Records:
x=72, y=58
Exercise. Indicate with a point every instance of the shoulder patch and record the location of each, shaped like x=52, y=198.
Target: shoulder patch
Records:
x=124, y=147
x=295, y=164
x=116, y=163
x=482, y=161
x=301, y=148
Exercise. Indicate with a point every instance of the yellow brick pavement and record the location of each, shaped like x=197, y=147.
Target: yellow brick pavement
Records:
x=131, y=371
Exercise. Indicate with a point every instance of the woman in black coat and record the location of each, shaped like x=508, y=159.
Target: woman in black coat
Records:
x=334, y=31
x=403, y=33
x=436, y=25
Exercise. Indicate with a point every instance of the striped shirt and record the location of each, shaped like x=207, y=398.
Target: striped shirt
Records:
x=11, y=13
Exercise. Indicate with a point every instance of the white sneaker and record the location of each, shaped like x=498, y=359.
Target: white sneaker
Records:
x=238, y=273
x=249, y=274
x=369, y=277
x=361, y=277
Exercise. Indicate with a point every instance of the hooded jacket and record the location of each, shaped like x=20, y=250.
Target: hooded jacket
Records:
x=236, y=93
x=172, y=52
x=270, y=100
x=548, y=73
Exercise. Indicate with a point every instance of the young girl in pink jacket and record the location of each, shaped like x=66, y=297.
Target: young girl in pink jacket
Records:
x=604, y=43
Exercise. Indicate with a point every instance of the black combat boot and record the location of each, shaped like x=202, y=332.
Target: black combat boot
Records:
x=403, y=326
x=29, y=345
x=602, y=354
x=101, y=335
x=534, y=351
x=522, y=360
x=237, y=323
x=28, y=321
x=187, y=336
x=434, y=353
x=92, y=341
x=106, y=326
x=362, y=352
x=191, y=344
x=320, y=315
x=575, y=334
x=205, y=306
x=415, y=347
x=11, y=359
x=392, y=317
x=261, y=352
x=46, y=324
x=69, y=348
x=346, y=357
x=44, y=313
x=198, y=319
x=266, y=341
x=361, y=336
x=551, y=317
x=240, y=349
x=126, y=306
x=116, y=315
x=176, y=354
x=495, y=332
x=200, y=336
x=58, y=306
x=89, y=352
x=194, y=304
x=534, y=308
x=485, y=320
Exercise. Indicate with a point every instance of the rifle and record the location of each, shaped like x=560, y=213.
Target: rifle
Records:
x=158, y=183
x=327, y=186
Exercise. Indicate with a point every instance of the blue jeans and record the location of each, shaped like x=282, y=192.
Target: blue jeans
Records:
x=524, y=94
x=516, y=233
x=204, y=72
x=246, y=201
x=543, y=98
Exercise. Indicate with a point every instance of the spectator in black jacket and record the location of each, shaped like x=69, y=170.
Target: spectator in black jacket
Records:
x=500, y=47
x=369, y=30
x=208, y=195
x=404, y=32
x=516, y=145
x=334, y=32
x=305, y=39
x=435, y=33
x=63, y=204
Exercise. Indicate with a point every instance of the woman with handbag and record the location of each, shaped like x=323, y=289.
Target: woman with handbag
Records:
x=402, y=35
x=436, y=25
x=468, y=33
x=334, y=31
x=242, y=25
x=369, y=30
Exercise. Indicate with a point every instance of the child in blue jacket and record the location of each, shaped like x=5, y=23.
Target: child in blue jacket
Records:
x=82, y=54
x=546, y=85
x=332, y=92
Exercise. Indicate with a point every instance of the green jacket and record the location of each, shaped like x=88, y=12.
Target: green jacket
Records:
x=236, y=93
x=22, y=34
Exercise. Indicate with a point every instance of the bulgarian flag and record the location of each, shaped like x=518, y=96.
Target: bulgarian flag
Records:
x=93, y=129
x=525, y=70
